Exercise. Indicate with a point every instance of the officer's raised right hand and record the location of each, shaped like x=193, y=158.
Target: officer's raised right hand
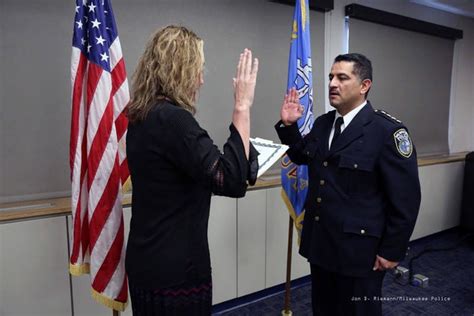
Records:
x=291, y=109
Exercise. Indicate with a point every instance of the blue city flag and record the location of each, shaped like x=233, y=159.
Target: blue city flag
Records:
x=294, y=178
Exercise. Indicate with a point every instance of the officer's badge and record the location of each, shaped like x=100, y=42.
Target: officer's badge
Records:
x=403, y=142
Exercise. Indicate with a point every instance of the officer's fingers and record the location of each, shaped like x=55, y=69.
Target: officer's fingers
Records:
x=390, y=265
x=289, y=96
x=294, y=94
x=386, y=264
x=377, y=264
x=285, y=100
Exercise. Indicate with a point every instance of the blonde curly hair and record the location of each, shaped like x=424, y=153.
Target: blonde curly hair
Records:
x=169, y=68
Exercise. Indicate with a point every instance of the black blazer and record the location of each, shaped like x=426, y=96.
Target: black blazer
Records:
x=174, y=168
x=364, y=193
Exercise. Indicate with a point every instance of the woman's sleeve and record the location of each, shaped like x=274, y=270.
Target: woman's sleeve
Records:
x=193, y=151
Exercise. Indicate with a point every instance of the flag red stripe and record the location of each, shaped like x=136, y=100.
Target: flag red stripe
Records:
x=77, y=233
x=93, y=76
x=107, y=269
x=76, y=106
x=124, y=173
x=123, y=295
x=121, y=125
x=85, y=233
x=75, y=116
x=105, y=205
x=118, y=76
x=81, y=228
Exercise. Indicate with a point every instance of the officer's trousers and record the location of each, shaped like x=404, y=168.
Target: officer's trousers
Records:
x=334, y=294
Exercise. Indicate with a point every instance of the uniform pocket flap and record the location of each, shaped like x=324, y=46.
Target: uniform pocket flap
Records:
x=363, y=228
x=356, y=163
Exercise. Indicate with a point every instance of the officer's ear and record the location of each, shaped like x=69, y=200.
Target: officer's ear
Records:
x=365, y=86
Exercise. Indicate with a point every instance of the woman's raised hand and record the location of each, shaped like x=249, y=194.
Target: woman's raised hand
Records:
x=245, y=80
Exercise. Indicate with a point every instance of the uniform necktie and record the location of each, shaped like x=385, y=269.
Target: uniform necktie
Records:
x=337, y=129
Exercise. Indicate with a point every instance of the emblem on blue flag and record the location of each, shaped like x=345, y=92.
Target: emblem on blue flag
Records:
x=294, y=178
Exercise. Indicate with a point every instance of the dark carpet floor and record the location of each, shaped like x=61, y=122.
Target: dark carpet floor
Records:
x=450, y=291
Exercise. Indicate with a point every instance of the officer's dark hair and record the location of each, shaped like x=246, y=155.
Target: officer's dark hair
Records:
x=362, y=66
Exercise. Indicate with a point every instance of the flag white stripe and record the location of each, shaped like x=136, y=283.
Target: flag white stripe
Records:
x=121, y=99
x=97, y=108
x=115, y=53
x=75, y=57
x=122, y=148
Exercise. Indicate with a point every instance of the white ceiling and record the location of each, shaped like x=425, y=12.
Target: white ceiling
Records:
x=460, y=7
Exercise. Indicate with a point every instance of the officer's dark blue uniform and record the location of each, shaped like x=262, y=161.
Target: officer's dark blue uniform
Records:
x=364, y=192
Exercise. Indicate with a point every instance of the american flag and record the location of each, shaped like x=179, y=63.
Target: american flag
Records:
x=97, y=152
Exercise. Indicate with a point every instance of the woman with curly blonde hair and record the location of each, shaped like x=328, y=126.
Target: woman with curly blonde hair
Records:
x=175, y=167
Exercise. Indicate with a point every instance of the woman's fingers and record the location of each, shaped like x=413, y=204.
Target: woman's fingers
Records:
x=239, y=66
x=247, y=67
x=254, y=68
x=242, y=64
x=248, y=62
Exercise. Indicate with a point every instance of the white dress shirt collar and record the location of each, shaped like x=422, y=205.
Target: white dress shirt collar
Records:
x=346, y=120
x=349, y=116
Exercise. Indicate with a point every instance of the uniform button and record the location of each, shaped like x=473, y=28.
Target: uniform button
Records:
x=321, y=182
x=307, y=153
x=318, y=200
x=316, y=218
x=325, y=164
x=362, y=231
x=356, y=166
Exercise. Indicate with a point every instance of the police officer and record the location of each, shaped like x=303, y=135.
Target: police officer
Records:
x=364, y=191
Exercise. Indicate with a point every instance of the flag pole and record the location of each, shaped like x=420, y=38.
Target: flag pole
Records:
x=287, y=311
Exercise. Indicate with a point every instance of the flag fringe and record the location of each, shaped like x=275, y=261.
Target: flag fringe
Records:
x=108, y=302
x=79, y=269
x=298, y=220
x=127, y=186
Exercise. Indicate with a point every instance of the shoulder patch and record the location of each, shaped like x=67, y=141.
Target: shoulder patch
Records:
x=387, y=115
x=403, y=142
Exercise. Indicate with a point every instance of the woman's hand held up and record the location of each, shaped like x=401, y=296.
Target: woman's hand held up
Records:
x=245, y=80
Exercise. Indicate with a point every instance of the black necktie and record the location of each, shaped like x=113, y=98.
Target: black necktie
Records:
x=337, y=128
